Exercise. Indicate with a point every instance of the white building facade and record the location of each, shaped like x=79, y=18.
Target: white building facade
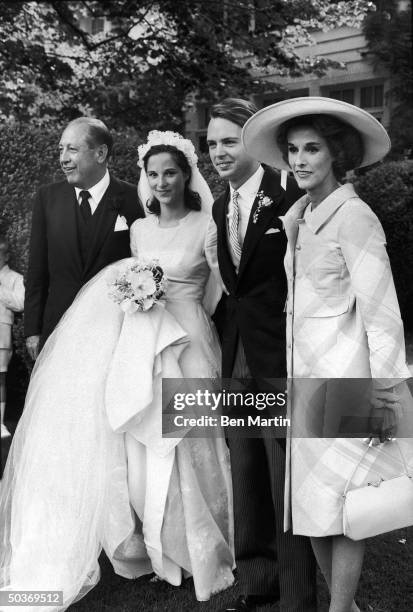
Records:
x=357, y=83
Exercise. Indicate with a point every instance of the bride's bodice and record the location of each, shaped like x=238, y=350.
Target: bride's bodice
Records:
x=180, y=251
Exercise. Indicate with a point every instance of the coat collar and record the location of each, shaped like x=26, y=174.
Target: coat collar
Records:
x=326, y=209
x=290, y=220
x=4, y=271
x=319, y=216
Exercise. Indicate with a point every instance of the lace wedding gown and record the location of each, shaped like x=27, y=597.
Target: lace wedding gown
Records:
x=88, y=467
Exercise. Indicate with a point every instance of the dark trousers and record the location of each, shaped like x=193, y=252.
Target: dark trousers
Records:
x=270, y=562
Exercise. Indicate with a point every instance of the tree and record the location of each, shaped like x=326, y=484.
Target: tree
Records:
x=31, y=66
x=388, y=31
x=155, y=54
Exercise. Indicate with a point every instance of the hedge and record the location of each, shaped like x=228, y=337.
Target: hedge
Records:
x=388, y=189
x=29, y=158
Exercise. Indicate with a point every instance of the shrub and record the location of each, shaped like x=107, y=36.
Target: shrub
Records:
x=216, y=184
x=388, y=189
x=27, y=159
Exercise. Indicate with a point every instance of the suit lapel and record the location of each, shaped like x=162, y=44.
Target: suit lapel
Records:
x=224, y=257
x=270, y=187
x=290, y=221
x=108, y=210
x=68, y=212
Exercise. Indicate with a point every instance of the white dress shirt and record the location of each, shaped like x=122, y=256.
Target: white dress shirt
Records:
x=96, y=192
x=247, y=194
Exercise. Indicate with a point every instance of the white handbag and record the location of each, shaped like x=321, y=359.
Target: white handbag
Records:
x=380, y=506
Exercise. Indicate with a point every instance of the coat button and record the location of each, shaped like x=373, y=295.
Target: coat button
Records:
x=298, y=247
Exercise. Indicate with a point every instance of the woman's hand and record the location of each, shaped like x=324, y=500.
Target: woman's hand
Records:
x=385, y=413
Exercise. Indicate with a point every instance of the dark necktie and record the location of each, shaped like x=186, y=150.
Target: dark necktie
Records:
x=84, y=205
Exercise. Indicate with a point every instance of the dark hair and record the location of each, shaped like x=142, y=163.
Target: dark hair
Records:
x=192, y=199
x=343, y=140
x=97, y=132
x=235, y=110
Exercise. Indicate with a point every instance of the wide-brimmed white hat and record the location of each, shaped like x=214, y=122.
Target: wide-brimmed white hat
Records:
x=259, y=134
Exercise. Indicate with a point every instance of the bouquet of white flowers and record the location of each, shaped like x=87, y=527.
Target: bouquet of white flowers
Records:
x=138, y=286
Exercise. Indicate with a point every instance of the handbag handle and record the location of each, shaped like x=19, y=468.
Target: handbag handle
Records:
x=361, y=459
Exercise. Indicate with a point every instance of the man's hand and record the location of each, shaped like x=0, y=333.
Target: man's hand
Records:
x=32, y=345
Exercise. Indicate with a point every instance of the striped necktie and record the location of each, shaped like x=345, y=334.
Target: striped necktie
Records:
x=233, y=228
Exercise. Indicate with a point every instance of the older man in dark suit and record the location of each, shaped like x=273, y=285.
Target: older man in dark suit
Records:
x=251, y=243
x=79, y=226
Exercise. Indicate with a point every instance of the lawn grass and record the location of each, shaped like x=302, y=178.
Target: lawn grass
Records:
x=386, y=586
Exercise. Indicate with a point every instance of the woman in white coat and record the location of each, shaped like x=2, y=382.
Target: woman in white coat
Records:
x=343, y=318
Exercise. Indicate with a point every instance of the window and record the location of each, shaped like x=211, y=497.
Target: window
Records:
x=286, y=95
x=345, y=95
x=371, y=97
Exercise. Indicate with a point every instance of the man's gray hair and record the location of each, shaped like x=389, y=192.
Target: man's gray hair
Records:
x=97, y=132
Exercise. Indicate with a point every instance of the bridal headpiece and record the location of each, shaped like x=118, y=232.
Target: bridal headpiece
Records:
x=155, y=137
x=197, y=182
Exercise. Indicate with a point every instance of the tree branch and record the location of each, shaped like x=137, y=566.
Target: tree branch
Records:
x=63, y=16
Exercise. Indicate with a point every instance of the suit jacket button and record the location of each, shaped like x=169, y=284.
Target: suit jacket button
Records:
x=298, y=247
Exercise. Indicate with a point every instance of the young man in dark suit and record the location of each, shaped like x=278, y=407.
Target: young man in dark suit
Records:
x=79, y=226
x=251, y=243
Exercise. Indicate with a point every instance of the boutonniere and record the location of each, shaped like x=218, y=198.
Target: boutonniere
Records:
x=263, y=202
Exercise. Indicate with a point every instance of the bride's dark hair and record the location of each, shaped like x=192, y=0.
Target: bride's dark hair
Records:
x=191, y=198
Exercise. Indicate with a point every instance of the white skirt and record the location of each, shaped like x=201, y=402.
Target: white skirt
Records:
x=65, y=493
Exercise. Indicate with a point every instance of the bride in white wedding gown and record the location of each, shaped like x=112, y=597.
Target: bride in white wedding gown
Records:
x=88, y=467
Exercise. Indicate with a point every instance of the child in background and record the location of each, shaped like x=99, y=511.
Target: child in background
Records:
x=11, y=301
